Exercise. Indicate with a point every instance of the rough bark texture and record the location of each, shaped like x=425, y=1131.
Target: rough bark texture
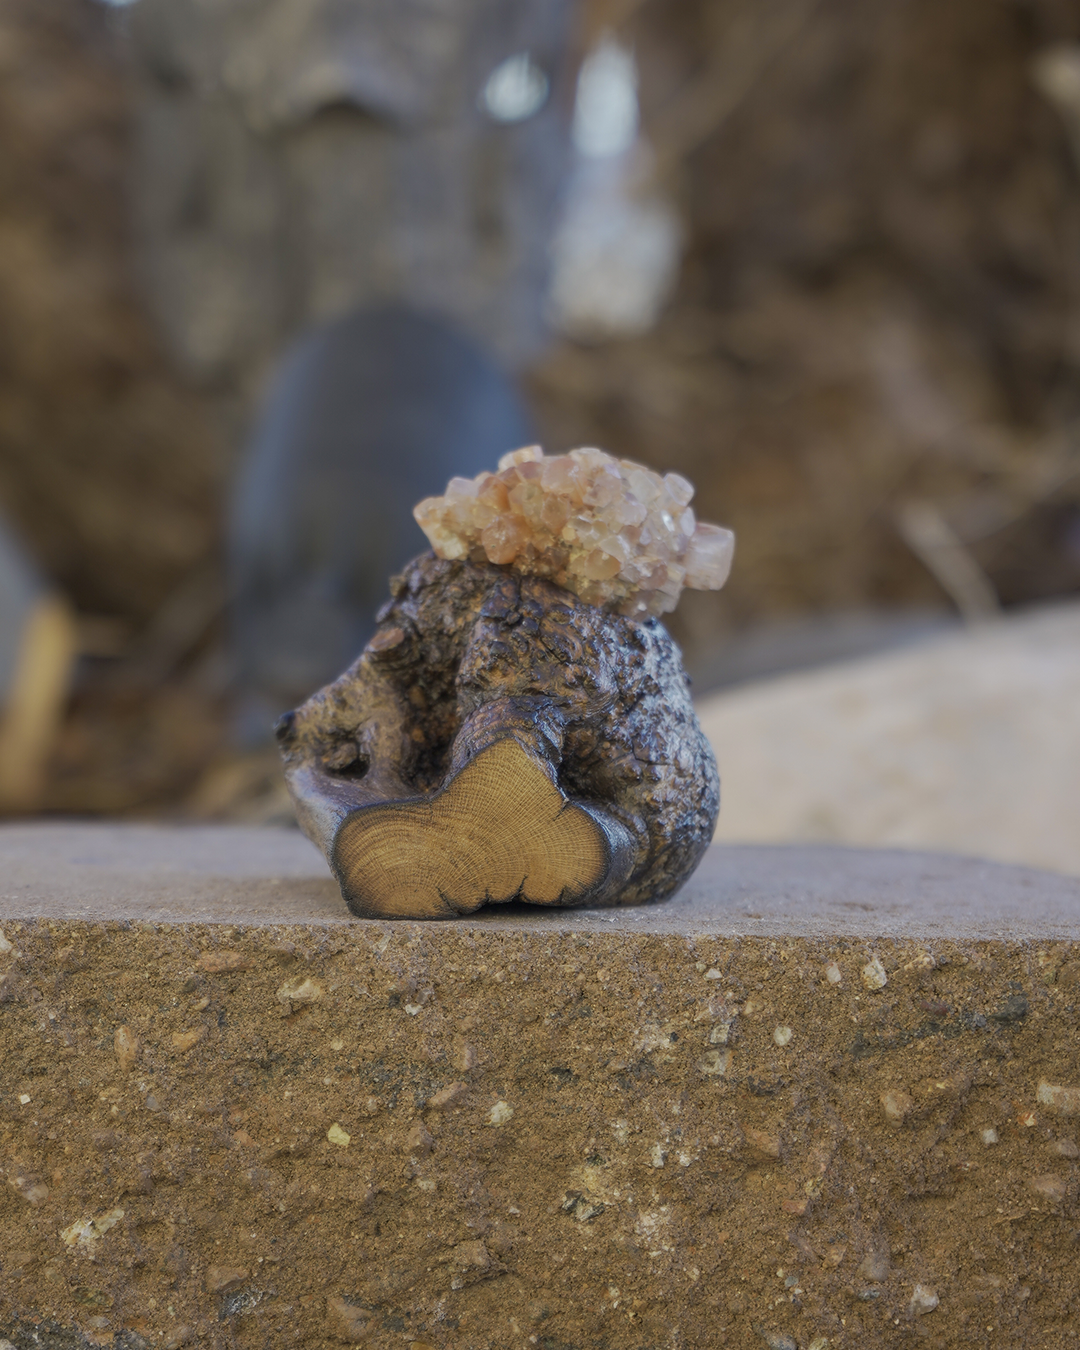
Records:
x=469, y=656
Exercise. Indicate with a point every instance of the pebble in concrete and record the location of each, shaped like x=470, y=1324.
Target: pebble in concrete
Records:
x=873, y=974
x=1062, y=1100
x=896, y=1105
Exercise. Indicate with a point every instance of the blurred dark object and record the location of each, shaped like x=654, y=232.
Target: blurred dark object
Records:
x=368, y=415
x=296, y=161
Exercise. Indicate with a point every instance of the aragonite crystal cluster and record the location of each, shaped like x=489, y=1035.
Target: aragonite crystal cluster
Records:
x=613, y=532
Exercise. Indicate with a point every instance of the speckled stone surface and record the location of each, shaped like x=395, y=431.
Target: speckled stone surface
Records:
x=820, y=1097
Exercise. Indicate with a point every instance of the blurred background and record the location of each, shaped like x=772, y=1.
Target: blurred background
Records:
x=822, y=258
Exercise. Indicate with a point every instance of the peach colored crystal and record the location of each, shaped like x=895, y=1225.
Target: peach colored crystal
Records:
x=614, y=533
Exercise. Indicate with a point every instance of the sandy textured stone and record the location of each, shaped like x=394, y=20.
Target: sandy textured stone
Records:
x=577, y=1126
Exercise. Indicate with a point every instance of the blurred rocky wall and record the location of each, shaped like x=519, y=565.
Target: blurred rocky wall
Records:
x=108, y=468
x=878, y=305
x=869, y=367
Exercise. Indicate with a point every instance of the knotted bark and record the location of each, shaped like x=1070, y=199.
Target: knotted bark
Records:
x=500, y=739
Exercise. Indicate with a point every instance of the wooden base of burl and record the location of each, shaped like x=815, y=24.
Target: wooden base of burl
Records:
x=497, y=740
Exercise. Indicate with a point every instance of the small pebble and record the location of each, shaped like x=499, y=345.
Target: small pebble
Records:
x=1065, y=1148
x=221, y=962
x=301, y=989
x=500, y=1113
x=1068, y=975
x=875, y=1267
x=1051, y=1187
x=776, y=1340
x=923, y=1299
x=720, y=1033
x=761, y=1142
x=220, y=1279
x=989, y=1136
x=873, y=974
x=33, y=1192
x=782, y=1036
x=446, y=1097
x=6, y=948
x=1064, y=1100
x=713, y=974
x=347, y=1322
x=471, y=1256
x=24, y=1099
x=338, y=1136
x=714, y=1063
x=126, y=1045
x=833, y=976
x=657, y=1156
x=337, y=1043
x=896, y=1105
x=419, y=1139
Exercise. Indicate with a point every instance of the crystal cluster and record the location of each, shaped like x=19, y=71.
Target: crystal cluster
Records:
x=614, y=533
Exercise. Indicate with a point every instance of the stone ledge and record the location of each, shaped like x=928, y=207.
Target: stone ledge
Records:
x=813, y=1094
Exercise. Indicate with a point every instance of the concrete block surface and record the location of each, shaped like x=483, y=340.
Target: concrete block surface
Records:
x=823, y=1096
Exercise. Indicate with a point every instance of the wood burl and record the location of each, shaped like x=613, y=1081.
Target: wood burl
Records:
x=500, y=739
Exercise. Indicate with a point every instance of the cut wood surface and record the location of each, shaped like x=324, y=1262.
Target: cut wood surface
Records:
x=501, y=739
x=501, y=830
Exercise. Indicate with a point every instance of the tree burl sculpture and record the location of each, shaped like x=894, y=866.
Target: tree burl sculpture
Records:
x=520, y=726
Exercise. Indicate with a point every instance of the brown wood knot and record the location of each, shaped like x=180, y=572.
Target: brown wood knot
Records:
x=346, y=759
x=386, y=641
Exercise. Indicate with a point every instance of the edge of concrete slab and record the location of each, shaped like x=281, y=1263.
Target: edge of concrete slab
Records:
x=253, y=876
